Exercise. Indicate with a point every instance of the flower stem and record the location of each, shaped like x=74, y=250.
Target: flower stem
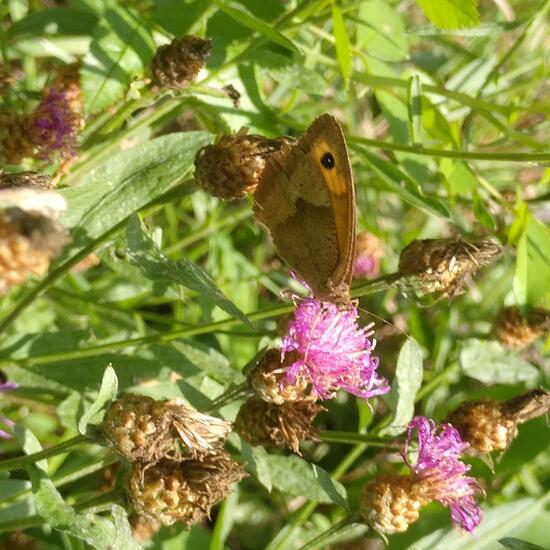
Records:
x=331, y=534
x=353, y=437
x=19, y=462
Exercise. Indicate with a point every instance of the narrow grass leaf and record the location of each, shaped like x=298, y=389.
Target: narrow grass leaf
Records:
x=343, y=48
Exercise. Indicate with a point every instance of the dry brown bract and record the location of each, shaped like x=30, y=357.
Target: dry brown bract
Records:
x=441, y=265
x=280, y=426
x=515, y=330
x=490, y=425
x=186, y=491
x=140, y=428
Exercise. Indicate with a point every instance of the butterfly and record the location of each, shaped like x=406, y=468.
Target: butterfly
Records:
x=306, y=199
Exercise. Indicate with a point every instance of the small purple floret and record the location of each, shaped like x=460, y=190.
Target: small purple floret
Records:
x=332, y=351
x=366, y=266
x=438, y=463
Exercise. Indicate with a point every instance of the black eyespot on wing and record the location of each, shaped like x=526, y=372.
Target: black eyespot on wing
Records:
x=328, y=161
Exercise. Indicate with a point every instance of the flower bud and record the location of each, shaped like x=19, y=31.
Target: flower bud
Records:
x=182, y=491
x=490, y=425
x=280, y=426
x=232, y=167
x=177, y=64
x=368, y=254
x=267, y=379
x=140, y=428
x=390, y=503
x=441, y=265
x=515, y=330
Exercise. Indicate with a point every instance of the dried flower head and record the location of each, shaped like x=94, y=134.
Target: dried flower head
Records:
x=140, y=428
x=516, y=330
x=232, y=167
x=182, y=491
x=390, y=503
x=177, y=64
x=267, y=379
x=490, y=425
x=30, y=233
x=331, y=352
x=368, y=254
x=15, y=144
x=438, y=472
x=441, y=265
x=29, y=179
x=280, y=426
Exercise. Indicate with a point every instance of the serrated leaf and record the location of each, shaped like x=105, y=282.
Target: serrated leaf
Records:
x=146, y=255
x=126, y=183
x=107, y=392
x=343, y=48
x=407, y=381
x=97, y=531
x=295, y=476
x=451, y=14
x=490, y=362
x=238, y=14
x=121, y=48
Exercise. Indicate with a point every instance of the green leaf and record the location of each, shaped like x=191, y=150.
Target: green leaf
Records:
x=517, y=544
x=146, y=255
x=532, y=275
x=295, y=476
x=451, y=14
x=97, y=531
x=497, y=522
x=407, y=381
x=343, y=48
x=460, y=179
x=178, y=16
x=126, y=183
x=107, y=392
x=121, y=49
x=400, y=183
x=238, y=14
x=414, y=96
x=381, y=31
x=54, y=21
x=490, y=362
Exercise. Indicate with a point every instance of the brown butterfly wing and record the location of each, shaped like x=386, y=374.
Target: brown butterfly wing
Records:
x=309, y=208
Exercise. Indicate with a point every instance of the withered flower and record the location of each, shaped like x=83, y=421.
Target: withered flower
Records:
x=177, y=64
x=441, y=265
x=232, y=167
x=280, y=426
x=515, y=330
x=368, y=254
x=30, y=233
x=140, y=428
x=15, y=143
x=182, y=491
x=490, y=425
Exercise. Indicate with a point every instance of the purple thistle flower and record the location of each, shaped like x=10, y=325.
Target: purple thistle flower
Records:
x=331, y=352
x=54, y=126
x=440, y=471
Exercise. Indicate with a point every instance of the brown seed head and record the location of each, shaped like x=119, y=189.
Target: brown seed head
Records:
x=515, y=330
x=441, y=265
x=268, y=374
x=30, y=234
x=390, y=503
x=186, y=491
x=177, y=64
x=141, y=428
x=280, y=426
x=15, y=144
x=232, y=167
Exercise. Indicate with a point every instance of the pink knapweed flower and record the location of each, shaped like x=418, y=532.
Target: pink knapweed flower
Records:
x=440, y=472
x=332, y=352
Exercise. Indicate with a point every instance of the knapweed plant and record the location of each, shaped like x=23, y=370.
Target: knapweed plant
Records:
x=175, y=370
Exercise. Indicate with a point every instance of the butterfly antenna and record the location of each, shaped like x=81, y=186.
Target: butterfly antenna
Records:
x=385, y=322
